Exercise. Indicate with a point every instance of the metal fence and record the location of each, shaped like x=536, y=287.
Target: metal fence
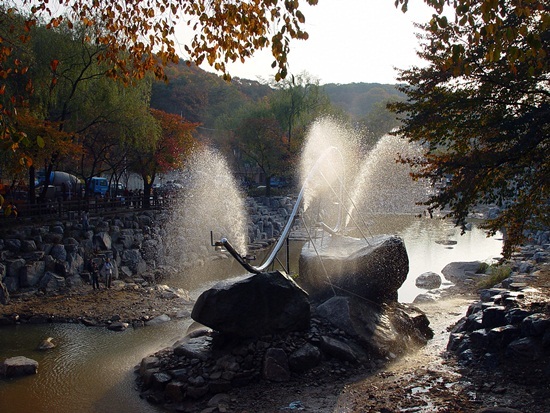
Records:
x=61, y=209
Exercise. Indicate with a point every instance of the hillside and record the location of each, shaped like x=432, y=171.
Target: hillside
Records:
x=201, y=96
x=358, y=99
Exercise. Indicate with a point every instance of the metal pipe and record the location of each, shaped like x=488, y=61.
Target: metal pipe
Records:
x=285, y=233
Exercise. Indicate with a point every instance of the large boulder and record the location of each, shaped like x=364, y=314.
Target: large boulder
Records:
x=254, y=305
x=382, y=329
x=351, y=266
x=18, y=366
x=460, y=272
x=428, y=280
x=31, y=273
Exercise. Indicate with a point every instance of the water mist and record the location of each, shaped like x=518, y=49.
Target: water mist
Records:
x=210, y=201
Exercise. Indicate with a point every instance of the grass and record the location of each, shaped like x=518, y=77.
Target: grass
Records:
x=496, y=274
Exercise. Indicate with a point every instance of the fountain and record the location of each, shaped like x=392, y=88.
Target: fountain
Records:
x=211, y=202
x=332, y=262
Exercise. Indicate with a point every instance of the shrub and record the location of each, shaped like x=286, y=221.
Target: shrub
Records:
x=497, y=273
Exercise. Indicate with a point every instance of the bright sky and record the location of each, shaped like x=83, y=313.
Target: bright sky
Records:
x=349, y=41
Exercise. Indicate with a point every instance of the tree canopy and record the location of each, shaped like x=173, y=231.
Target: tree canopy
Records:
x=138, y=35
x=481, y=111
x=513, y=30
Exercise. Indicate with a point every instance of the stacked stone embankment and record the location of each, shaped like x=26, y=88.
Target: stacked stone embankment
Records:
x=56, y=255
x=509, y=326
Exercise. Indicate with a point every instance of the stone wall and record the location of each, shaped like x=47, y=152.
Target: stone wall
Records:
x=57, y=254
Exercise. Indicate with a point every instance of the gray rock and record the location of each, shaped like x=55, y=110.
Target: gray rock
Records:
x=31, y=273
x=194, y=347
x=13, y=244
x=428, y=280
x=275, y=365
x=13, y=267
x=58, y=252
x=305, y=358
x=134, y=261
x=524, y=347
x=11, y=284
x=535, y=325
x=458, y=272
x=174, y=391
x=494, y=316
x=18, y=366
x=382, y=329
x=424, y=298
x=254, y=305
x=488, y=294
x=163, y=318
x=338, y=349
x=102, y=240
x=118, y=326
x=374, y=271
x=498, y=338
x=46, y=344
x=51, y=281
x=28, y=246
x=148, y=363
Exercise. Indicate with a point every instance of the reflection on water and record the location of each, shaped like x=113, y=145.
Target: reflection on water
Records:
x=91, y=369
x=423, y=240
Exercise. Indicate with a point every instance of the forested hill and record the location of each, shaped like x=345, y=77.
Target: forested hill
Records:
x=201, y=96
x=358, y=99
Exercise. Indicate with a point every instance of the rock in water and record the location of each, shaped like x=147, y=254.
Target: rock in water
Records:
x=350, y=267
x=254, y=305
x=18, y=366
x=46, y=344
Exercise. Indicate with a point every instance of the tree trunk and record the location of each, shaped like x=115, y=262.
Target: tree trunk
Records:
x=147, y=194
x=32, y=189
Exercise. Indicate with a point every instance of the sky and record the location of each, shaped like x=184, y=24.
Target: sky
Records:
x=349, y=41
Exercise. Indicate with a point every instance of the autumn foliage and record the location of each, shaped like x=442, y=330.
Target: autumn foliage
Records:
x=481, y=111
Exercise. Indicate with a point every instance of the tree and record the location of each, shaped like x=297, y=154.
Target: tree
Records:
x=136, y=37
x=298, y=100
x=483, y=118
x=165, y=153
x=378, y=122
x=139, y=35
x=488, y=23
x=259, y=137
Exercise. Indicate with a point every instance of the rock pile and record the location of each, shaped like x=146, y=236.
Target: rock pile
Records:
x=267, y=217
x=206, y=364
x=264, y=327
x=56, y=255
x=510, y=324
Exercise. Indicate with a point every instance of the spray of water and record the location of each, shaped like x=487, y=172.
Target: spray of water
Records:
x=322, y=197
x=384, y=185
x=375, y=182
x=210, y=201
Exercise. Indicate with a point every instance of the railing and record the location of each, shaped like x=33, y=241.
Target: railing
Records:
x=72, y=209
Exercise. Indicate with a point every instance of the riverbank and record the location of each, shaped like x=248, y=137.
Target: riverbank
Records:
x=122, y=303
